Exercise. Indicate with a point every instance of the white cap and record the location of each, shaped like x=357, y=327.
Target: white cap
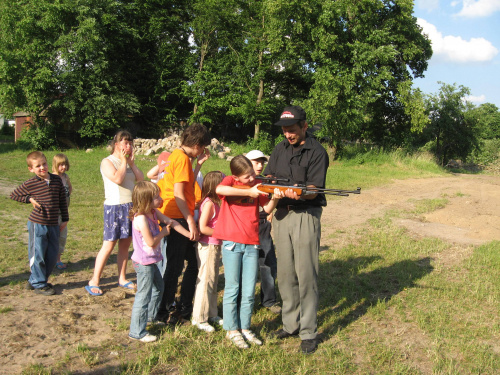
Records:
x=255, y=154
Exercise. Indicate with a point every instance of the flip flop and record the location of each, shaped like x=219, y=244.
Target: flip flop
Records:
x=61, y=266
x=88, y=288
x=127, y=285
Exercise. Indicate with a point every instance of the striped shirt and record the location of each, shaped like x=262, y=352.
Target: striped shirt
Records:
x=50, y=196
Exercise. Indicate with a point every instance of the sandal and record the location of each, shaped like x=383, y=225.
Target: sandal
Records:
x=237, y=339
x=61, y=266
x=250, y=336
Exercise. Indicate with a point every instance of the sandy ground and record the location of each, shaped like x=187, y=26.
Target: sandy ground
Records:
x=47, y=330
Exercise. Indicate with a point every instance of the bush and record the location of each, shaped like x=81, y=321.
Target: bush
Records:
x=264, y=143
x=488, y=153
x=41, y=137
x=7, y=130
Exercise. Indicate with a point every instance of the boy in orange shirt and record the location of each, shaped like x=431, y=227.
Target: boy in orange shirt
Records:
x=177, y=188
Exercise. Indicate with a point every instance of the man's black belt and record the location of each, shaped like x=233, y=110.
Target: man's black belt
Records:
x=297, y=207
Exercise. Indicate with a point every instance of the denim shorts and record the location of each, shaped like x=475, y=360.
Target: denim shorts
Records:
x=117, y=225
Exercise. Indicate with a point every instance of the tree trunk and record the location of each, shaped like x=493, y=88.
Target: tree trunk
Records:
x=260, y=95
x=256, y=131
x=203, y=53
x=332, y=152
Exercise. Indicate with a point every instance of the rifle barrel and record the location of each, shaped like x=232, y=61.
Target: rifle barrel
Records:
x=334, y=191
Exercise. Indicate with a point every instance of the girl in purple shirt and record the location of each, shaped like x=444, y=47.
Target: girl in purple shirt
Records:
x=146, y=237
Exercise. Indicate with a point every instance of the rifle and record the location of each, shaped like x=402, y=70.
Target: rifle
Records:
x=268, y=187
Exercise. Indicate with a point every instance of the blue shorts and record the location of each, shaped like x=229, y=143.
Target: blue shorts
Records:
x=117, y=225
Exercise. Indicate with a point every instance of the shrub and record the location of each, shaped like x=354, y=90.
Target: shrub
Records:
x=41, y=137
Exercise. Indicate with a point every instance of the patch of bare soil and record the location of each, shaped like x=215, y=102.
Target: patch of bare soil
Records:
x=65, y=327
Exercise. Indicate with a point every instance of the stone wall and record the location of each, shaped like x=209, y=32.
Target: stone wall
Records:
x=170, y=143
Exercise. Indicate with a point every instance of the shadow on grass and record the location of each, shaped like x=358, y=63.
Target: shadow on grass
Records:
x=80, y=265
x=346, y=292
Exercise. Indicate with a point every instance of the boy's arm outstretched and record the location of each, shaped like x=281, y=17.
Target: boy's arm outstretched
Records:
x=174, y=224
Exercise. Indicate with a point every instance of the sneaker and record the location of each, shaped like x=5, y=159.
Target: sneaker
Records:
x=308, y=346
x=237, y=339
x=147, y=338
x=45, y=291
x=216, y=320
x=28, y=286
x=282, y=334
x=275, y=309
x=203, y=326
x=250, y=336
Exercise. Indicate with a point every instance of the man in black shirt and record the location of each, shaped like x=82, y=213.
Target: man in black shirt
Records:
x=297, y=228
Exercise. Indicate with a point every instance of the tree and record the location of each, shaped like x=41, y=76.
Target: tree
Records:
x=488, y=117
x=363, y=56
x=93, y=64
x=455, y=134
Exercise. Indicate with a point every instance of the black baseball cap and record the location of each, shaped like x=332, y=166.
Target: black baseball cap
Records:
x=291, y=115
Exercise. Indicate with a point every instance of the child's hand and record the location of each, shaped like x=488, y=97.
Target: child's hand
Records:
x=35, y=204
x=254, y=191
x=203, y=157
x=62, y=226
x=165, y=230
x=278, y=194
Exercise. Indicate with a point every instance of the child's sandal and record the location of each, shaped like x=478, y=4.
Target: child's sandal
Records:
x=237, y=339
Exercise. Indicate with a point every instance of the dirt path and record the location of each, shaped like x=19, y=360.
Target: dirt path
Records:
x=43, y=329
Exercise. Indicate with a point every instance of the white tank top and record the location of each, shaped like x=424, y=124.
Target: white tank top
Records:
x=118, y=194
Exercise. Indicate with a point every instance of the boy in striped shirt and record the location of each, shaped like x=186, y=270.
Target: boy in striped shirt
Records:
x=45, y=191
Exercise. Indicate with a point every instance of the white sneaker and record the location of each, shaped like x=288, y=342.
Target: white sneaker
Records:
x=216, y=320
x=250, y=336
x=203, y=326
x=147, y=338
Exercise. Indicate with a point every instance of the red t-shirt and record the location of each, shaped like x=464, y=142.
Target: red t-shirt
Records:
x=239, y=217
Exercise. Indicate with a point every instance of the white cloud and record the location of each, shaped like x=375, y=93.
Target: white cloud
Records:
x=455, y=49
x=475, y=99
x=478, y=8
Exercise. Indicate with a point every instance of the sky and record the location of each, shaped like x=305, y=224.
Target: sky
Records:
x=465, y=37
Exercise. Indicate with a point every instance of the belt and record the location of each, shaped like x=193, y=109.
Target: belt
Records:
x=292, y=207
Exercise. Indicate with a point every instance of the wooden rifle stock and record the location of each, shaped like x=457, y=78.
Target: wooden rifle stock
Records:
x=269, y=188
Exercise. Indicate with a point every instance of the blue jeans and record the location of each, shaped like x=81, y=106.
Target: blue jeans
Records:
x=241, y=263
x=43, y=247
x=147, y=298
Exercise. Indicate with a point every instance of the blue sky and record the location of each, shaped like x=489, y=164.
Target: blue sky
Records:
x=465, y=37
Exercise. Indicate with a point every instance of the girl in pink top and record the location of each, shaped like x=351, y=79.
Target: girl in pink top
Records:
x=146, y=237
x=208, y=255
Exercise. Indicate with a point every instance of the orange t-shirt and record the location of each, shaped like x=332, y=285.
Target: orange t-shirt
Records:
x=178, y=170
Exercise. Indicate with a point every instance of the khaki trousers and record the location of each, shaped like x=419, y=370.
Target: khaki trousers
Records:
x=205, y=297
x=297, y=236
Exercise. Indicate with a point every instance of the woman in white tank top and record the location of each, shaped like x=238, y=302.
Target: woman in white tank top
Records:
x=119, y=174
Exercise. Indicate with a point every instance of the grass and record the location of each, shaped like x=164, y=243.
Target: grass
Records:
x=389, y=303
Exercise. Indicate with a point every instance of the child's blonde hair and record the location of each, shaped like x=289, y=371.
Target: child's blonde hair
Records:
x=240, y=165
x=210, y=182
x=35, y=155
x=57, y=160
x=142, y=198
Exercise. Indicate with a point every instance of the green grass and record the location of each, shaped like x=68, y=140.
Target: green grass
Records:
x=389, y=303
